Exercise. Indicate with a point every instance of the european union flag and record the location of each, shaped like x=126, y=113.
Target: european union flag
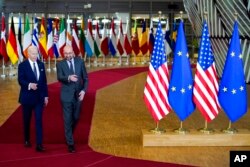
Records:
x=181, y=82
x=232, y=90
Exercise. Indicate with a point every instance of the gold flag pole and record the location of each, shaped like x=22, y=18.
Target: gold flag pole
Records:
x=206, y=130
x=231, y=130
x=157, y=130
x=181, y=130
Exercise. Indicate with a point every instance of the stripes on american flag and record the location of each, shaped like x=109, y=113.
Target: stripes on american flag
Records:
x=206, y=80
x=157, y=84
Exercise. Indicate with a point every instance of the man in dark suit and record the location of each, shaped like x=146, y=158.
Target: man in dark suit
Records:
x=72, y=74
x=33, y=95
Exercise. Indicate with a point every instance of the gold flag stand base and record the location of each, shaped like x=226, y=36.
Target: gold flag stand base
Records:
x=181, y=130
x=206, y=130
x=157, y=130
x=230, y=130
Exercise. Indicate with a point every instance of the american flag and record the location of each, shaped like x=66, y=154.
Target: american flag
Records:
x=206, y=81
x=156, y=88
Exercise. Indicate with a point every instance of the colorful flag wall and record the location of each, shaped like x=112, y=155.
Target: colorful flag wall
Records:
x=232, y=90
x=56, y=38
x=174, y=35
x=120, y=40
x=167, y=39
x=157, y=84
x=181, y=82
x=19, y=41
x=26, y=36
x=75, y=39
x=11, y=45
x=82, y=39
x=205, y=93
x=104, y=41
x=35, y=35
x=43, y=40
x=62, y=36
x=89, y=42
x=151, y=38
x=50, y=48
x=112, y=39
x=135, y=40
x=97, y=41
x=3, y=51
x=127, y=40
x=143, y=39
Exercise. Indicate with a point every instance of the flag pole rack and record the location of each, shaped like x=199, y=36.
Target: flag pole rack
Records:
x=195, y=138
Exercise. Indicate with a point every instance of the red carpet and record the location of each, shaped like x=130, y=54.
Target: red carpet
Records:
x=11, y=136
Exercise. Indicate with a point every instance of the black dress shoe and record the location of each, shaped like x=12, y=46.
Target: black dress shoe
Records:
x=27, y=144
x=71, y=148
x=40, y=148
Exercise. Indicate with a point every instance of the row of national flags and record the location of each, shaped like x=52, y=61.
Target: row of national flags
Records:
x=181, y=93
x=52, y=35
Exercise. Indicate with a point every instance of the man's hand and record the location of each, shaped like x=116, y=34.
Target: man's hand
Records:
x=46, y=100
x=73, y=78
x=81, y=95
x=33, y=86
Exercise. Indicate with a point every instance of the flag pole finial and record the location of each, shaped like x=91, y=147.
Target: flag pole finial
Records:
x=205, y=14
x=236, y=16
x=159, y=15
x=181, y=13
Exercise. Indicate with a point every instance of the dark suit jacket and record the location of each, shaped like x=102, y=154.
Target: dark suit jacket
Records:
x=26, y=76
x=71, y=89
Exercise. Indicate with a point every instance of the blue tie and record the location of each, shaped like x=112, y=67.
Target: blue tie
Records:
x=71, y=67
x=35, y=71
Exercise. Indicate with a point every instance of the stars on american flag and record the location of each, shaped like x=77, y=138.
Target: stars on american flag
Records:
x=205, y=57
x=158, y=55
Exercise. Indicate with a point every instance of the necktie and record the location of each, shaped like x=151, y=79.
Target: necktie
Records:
x=35, y=71
x=71, y=67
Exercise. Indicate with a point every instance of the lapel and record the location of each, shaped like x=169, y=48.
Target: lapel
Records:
x=29, y=66
x=40, y=69
x=65, y=65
